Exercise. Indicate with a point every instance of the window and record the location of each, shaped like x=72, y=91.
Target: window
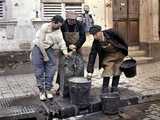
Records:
x=77, y=7
x=2, y=9
x=49, y=9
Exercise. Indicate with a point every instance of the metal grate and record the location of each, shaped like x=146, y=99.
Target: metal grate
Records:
x=20, y=112
x=16, y=109
x=5, y=103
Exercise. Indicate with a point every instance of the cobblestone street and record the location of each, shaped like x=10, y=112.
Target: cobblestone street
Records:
x=145, y=87
x=148, y=111
x=146, y=82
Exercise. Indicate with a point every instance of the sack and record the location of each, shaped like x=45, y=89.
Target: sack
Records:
x=74, y=65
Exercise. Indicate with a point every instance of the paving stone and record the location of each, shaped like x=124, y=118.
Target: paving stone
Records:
x=154, y=117
x=155, y=112
x=146, y=119
x=146, y=82
x=8, y=95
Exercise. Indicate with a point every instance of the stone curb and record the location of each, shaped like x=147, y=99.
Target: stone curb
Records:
x=140, y=99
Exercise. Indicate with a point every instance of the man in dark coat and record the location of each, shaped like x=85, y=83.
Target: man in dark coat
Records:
x=111, y=49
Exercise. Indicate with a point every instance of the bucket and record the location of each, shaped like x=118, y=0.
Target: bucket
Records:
x=110, y=103
x=129, y=67
x=79, y=90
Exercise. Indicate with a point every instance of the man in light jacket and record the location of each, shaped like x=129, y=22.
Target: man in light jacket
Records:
x=45, y=55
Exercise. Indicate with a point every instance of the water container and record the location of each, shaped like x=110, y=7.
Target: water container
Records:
x=129, y=67
x=110, y=103
x=79, y=90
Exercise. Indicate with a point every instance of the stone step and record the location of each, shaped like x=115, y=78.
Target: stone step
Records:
x=133, y=48
x=143, y=60
x=136, y=53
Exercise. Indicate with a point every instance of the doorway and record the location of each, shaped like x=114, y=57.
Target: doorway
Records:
x=126, y=20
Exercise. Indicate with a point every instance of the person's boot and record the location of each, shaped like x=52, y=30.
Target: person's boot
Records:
x=115, y=82
x=105, y=85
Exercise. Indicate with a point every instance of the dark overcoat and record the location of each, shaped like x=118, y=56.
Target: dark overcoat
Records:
x=113, y=38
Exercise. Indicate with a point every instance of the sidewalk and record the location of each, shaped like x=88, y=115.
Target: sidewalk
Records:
x=144, y=87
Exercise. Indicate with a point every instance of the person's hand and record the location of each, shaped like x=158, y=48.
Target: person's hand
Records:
x=70, y=53
x=101, y=70
x=66, y=55
x=89, y=76
x=46, y=59
x=72, y=47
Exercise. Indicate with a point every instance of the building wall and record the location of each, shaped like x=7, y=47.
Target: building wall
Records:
x=21, y=13
x=149, y=27
x=24, y=11
x=149, y=20
x=101, y=12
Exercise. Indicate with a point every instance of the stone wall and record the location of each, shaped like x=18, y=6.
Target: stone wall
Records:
x=149, y=27
x=149, y=20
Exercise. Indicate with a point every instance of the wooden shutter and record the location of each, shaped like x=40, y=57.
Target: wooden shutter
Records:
x=77, y=7
x=2, y=9
x=51, y=9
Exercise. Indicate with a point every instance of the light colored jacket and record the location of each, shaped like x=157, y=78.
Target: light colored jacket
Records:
x=46, y=37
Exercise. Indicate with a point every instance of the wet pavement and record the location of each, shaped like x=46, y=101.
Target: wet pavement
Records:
x=145, y=111
x=145, y=87
x=147, y=82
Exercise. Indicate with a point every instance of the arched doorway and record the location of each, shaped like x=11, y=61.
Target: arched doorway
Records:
x=126, y=20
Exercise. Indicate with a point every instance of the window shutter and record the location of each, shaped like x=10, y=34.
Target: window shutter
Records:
x=2, y=10
x=51, y=9
x=77, y=7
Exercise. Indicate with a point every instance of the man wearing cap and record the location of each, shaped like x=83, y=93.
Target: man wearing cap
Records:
x=111, y=49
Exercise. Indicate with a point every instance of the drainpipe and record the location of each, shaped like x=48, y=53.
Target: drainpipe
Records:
x=107, y=5
x=105, y=16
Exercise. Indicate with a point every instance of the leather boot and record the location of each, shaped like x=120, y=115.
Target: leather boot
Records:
x=115, y=82
x=105, y=85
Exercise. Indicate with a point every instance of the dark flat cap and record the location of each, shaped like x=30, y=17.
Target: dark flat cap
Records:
x=94, y=29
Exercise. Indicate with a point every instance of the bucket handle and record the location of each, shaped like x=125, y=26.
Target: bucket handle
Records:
x=128, y=57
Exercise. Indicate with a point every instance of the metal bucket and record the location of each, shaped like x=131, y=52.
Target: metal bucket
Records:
x=129, y=67
x=110, y=103
x=79, y=90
